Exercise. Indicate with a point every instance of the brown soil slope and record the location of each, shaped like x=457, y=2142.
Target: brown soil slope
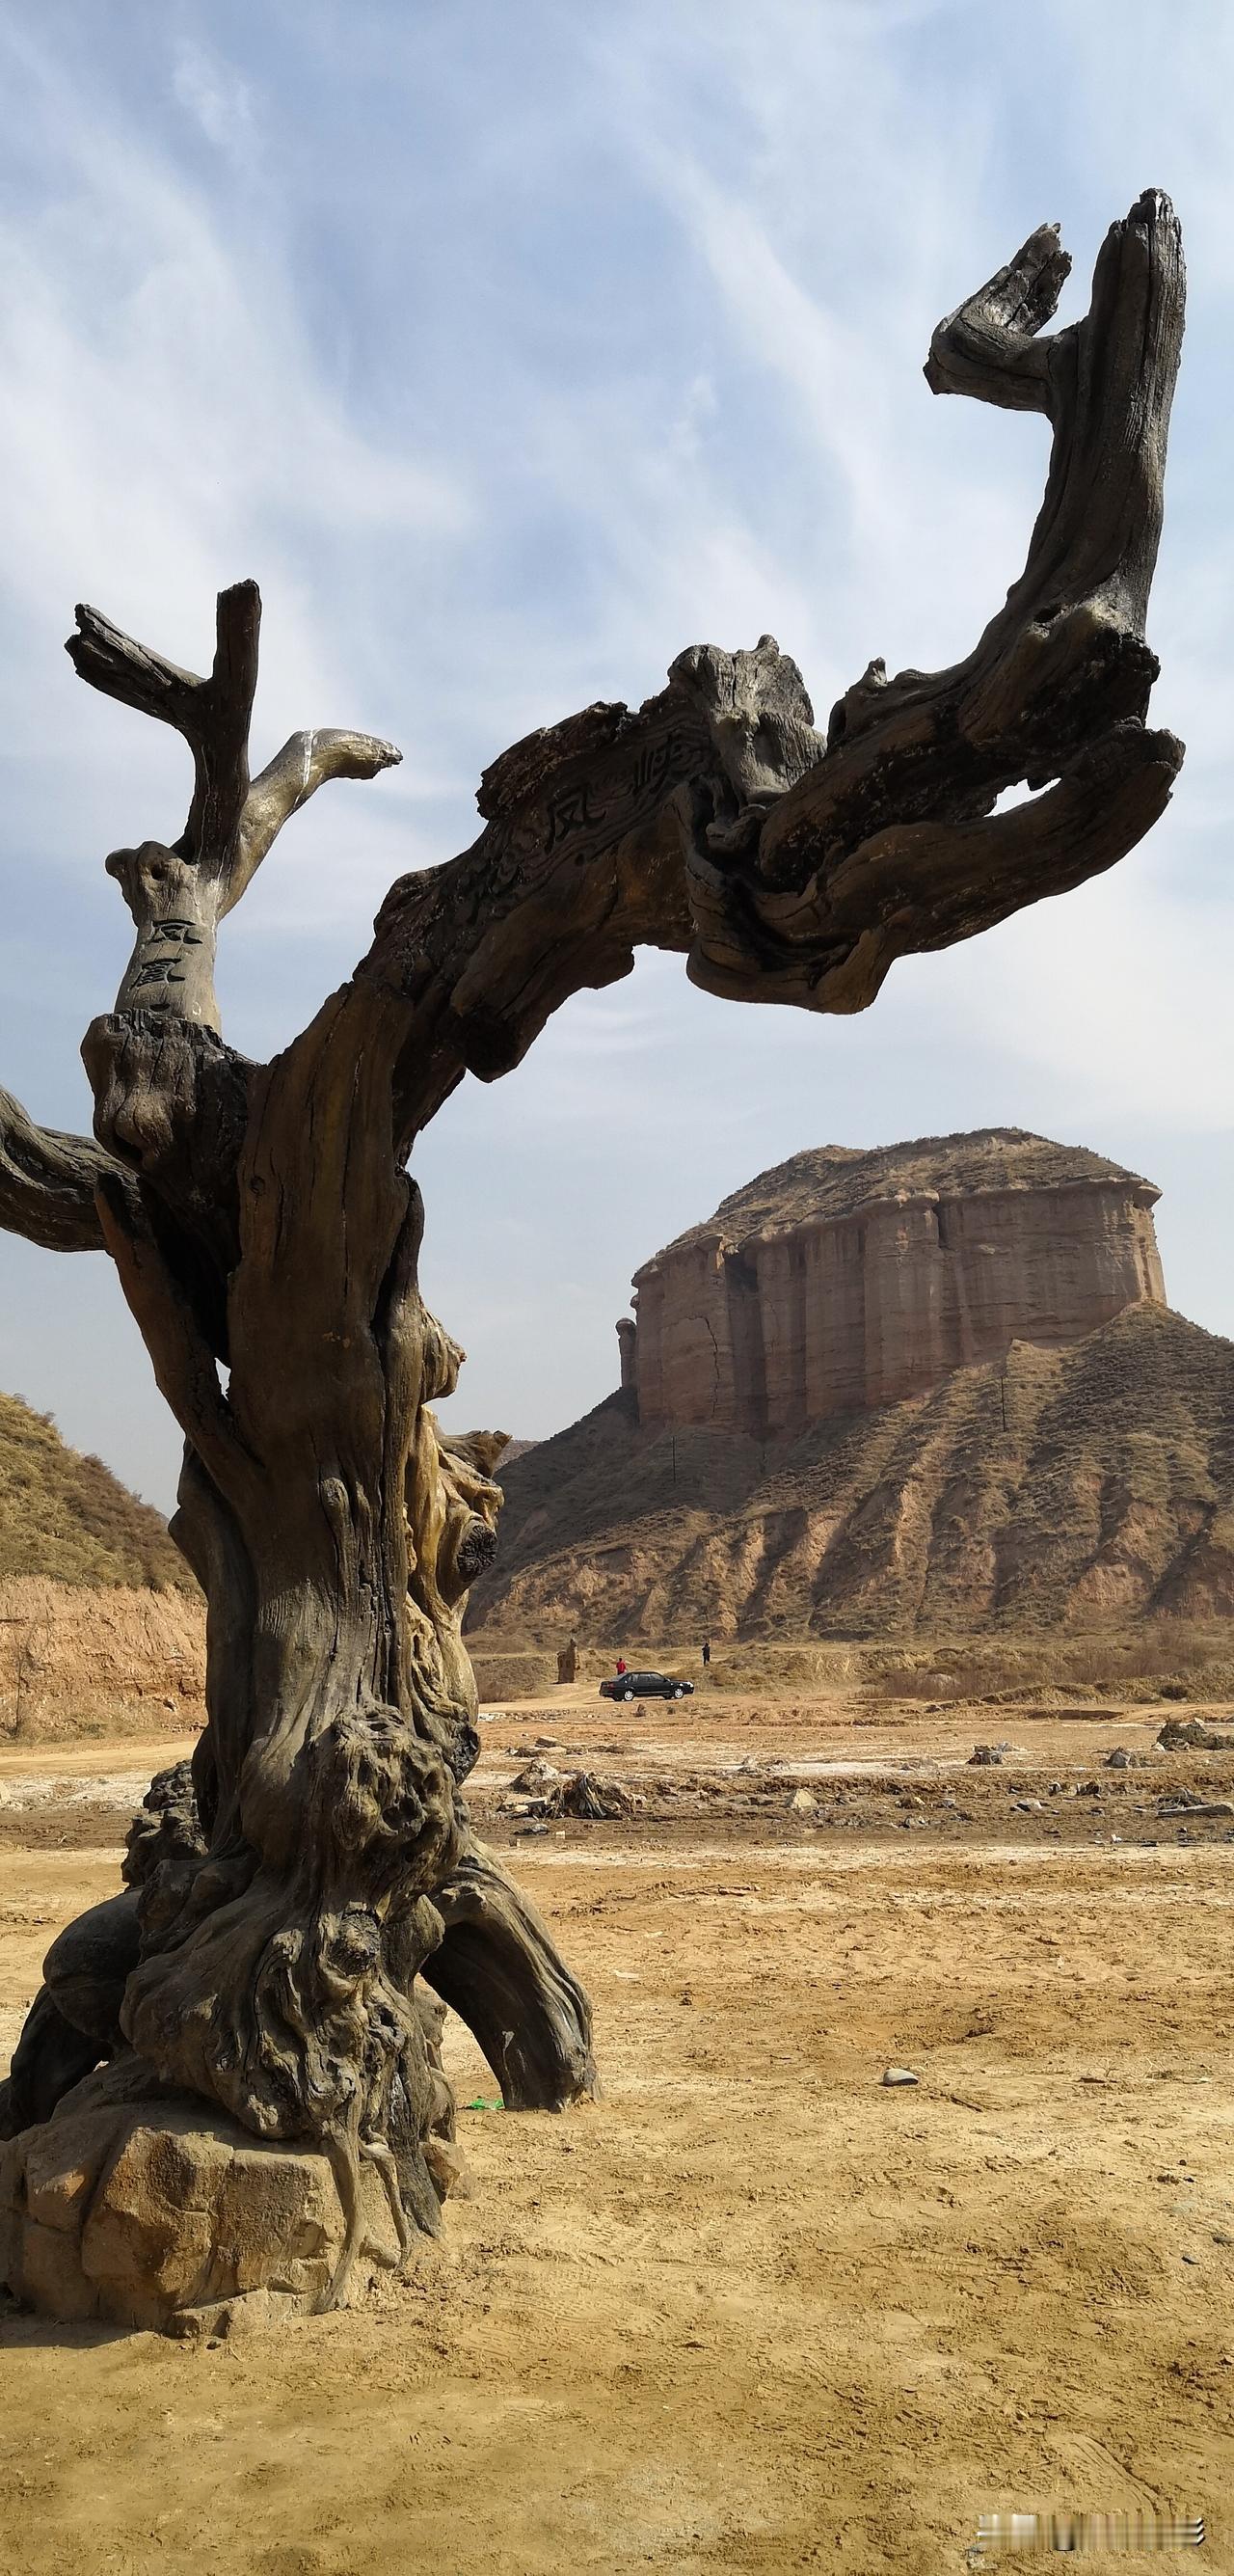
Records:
x=69, y=1518
x=79, y=1659
x=1107, y=1496
x=101, y=1623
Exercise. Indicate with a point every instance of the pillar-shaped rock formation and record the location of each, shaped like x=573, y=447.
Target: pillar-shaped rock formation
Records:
x=842, y=1280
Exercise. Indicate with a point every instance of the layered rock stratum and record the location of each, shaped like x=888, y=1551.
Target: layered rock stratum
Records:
x=843, y=1280
x=1074, y=1467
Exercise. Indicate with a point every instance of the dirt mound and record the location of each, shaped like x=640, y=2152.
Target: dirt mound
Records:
x=1081, y=1488
x=68, y=1518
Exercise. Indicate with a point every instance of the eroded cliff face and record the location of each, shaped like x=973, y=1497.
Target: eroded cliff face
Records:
x=842, y=1282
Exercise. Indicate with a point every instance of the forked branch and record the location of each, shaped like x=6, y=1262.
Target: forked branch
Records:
x=178, y=892
x=213, y=715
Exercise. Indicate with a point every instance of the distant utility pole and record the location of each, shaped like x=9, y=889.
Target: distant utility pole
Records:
x=1002, y=1391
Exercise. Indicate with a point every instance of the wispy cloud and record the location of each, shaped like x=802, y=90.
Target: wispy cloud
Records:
x=216, y=96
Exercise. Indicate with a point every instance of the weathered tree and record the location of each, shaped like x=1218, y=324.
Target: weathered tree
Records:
x=266, y=1231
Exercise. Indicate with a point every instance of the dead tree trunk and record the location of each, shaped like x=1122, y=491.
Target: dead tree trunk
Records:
x=267, y=1233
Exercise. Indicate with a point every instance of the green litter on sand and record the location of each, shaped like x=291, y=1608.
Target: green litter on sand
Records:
x=481, y=2105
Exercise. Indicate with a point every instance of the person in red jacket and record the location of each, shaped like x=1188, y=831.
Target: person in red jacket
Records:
x=621, y=1664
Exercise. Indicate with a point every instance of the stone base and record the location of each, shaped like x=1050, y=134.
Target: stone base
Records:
x=141, y=2206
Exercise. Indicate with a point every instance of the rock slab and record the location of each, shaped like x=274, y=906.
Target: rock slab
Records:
x=140, y=2206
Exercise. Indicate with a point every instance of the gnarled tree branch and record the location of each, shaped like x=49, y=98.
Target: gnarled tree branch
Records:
x=304, y=764
x=716, y=821
x=184, y=1363
x=213, y=715
x=48, y=1182
x=499, y=1969
x=988, y=347
x=179, y=892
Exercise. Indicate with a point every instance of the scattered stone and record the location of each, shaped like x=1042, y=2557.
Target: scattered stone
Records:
x=803, y=1803
x=986, y=1753
x=1196, y=1810
x=451, y=2174
x=534, y=1778
x=1028, y=1806
x=585, y=1795
x=229, y=2320
x=1189, y=1734
x=899, y=2075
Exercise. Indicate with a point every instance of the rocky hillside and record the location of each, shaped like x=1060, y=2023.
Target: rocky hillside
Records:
x=1105, y=1495
x=69, y=1519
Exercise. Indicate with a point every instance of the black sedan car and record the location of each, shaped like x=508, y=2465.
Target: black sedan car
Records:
x=645, y=1686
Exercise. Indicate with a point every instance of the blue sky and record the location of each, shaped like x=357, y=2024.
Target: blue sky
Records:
x=512, y=349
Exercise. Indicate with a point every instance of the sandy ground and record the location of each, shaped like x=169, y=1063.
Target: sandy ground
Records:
x=754, y=2310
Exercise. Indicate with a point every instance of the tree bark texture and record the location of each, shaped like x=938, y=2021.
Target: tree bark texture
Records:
x=285, y=1902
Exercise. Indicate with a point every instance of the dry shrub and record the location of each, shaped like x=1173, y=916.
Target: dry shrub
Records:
x=1157, y=1659
x=68, y=1518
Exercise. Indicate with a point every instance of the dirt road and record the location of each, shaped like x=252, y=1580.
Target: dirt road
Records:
x=754, y=2310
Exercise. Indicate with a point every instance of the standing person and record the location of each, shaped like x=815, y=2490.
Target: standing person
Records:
x=706, y=1652
x=621, y=1664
